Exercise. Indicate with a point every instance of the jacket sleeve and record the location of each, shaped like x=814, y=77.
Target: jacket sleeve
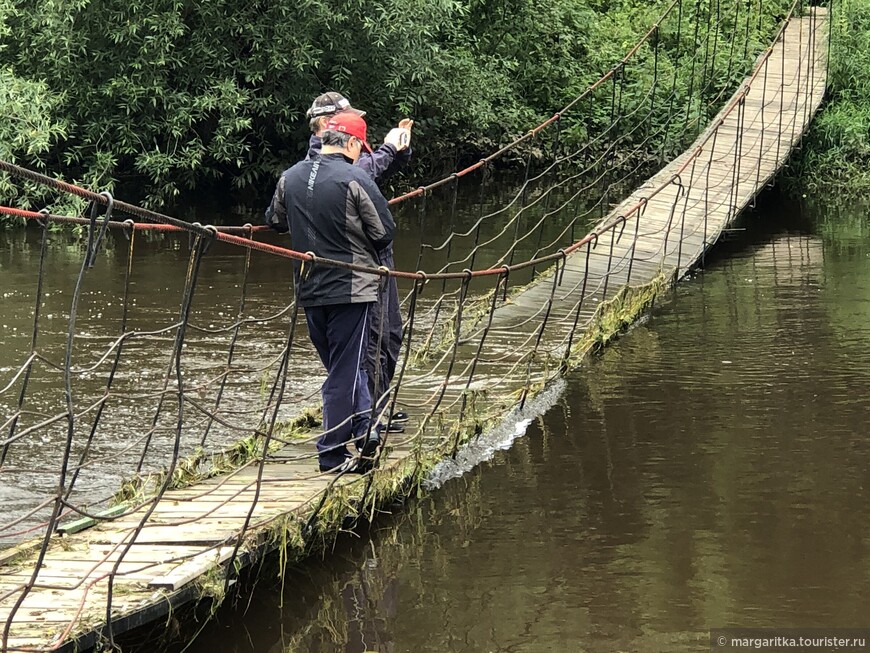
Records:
x=276, y=212
x=384, y=162
x=377, y=221
x=403, y=158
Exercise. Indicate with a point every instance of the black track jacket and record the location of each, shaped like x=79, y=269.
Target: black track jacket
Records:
x=334, y=209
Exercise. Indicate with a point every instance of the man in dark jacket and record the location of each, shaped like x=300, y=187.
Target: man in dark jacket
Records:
x=395, y=153
x=332, y=208
x=385, y=340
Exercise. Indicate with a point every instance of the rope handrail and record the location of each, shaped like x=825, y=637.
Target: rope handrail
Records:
x=122, y=224
x=225, y=235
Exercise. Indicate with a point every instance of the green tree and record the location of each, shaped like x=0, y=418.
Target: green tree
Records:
x=28, y=126
x=166, y=96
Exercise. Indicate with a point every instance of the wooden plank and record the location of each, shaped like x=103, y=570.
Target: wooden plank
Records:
x=192, y=569
x=135, y=553
x=8, y=556
x=86, y=522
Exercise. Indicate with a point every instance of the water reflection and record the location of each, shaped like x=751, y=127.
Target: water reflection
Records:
x=708, y=470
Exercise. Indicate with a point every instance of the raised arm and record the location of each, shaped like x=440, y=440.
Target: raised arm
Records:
x=381, y=164
x=390, y=157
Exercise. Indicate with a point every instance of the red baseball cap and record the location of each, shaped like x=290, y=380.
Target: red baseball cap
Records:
x=350, y=123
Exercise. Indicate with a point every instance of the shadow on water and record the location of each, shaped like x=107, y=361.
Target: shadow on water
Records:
x=708, y=470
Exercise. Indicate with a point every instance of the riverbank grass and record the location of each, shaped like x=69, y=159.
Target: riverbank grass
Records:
x=837, y=147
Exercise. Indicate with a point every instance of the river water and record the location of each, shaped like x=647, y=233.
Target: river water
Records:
x=709, y=469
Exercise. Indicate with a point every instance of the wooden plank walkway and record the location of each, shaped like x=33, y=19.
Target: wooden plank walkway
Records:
x=175, y=552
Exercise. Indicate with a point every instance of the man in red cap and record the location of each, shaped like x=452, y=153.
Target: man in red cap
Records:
x=385, y=336
x=381, y=359
x=334, y=209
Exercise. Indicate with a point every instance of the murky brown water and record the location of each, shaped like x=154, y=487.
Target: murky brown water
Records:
x=709, y=469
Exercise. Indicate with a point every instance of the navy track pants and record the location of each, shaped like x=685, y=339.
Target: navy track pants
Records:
x=340, y=335
x=381, y=366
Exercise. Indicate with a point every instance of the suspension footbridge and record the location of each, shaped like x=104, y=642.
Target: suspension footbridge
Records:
x=79, y=570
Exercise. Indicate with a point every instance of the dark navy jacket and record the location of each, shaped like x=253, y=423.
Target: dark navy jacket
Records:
x=333, y=209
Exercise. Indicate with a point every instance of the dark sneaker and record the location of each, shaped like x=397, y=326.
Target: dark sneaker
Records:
x=370, y=446
x=399, y=417
x=395, y=428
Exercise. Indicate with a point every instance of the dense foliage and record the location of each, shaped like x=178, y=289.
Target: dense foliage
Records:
x=27, y=109
x=165, y=96
x=838, y=145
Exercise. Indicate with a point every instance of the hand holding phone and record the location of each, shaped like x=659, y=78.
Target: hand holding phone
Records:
x=398, y=138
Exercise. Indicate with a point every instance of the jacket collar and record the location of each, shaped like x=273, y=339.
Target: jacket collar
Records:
x=335, y=157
